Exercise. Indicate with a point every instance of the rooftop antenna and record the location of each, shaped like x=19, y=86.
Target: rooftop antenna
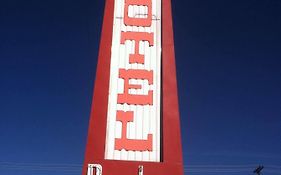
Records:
x=258, y=170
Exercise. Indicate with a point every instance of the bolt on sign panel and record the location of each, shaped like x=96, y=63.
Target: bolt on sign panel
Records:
x=134, y=106
x=134, y=125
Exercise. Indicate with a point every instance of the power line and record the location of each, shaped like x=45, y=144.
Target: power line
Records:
x=76, y=168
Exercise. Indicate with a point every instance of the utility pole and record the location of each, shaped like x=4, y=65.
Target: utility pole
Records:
x=258, y=170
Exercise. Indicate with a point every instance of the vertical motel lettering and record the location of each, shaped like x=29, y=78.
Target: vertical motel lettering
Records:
x=127, y=74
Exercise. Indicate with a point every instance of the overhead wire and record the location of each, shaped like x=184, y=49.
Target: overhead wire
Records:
x=76, y=168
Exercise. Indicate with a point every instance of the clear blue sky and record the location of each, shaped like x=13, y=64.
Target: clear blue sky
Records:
x=228, y=55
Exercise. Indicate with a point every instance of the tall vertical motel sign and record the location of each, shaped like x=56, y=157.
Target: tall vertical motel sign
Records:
x=134, y=125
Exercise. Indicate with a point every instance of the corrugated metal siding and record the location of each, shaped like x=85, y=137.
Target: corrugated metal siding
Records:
x=146, y=118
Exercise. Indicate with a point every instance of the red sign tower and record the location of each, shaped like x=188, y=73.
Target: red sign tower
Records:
x=134, y=124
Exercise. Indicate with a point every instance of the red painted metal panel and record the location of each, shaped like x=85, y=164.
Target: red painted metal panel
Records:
x=97, y=126
x=171, y=140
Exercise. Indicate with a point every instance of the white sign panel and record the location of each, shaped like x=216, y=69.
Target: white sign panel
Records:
x=133, y=118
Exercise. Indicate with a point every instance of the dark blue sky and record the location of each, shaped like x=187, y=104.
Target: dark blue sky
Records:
x=228, y=57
